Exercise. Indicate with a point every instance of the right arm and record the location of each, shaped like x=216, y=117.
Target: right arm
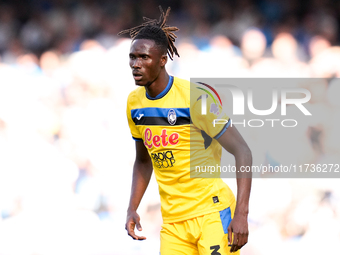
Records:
x=142, y=171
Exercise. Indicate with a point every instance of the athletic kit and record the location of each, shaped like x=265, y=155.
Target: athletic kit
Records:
x=196, y=211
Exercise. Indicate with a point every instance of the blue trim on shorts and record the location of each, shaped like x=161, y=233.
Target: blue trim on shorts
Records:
x=225, y=216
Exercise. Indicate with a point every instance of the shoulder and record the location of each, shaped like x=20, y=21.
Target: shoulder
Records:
x=191, y=87
x=181, y=83
x=182, y=87
x=136, y=95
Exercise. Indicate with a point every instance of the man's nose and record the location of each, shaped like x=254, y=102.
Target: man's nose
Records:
x=136, y=63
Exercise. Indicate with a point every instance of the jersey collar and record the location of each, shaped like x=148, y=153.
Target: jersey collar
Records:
x=164, y=92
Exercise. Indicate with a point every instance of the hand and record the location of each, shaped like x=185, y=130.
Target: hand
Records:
x=132, y=220
x=239, y=228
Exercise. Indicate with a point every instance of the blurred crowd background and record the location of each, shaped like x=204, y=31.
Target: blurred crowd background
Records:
x=66, y=152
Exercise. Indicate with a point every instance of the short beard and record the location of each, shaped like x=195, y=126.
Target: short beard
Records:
x=148, y=84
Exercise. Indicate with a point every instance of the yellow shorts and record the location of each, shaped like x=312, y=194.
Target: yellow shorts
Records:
x=203, y=235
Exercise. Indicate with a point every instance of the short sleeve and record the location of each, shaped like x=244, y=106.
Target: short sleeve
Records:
x=215, y=122
x=133, y=128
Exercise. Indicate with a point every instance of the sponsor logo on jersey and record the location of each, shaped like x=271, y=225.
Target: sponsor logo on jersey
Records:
x=163, y=140
x=163, y=159
x=172, y=117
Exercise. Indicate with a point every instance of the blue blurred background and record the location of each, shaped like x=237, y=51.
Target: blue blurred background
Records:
x=66, y=153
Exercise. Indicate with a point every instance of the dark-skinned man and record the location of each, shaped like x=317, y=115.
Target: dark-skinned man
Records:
x=200, y=215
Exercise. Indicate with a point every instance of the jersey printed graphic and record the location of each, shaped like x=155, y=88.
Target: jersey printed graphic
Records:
x=163, y=159
x=161, y=116
x=140, y=116
x=172, y=117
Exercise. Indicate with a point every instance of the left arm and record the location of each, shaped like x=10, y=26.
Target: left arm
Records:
x=234, y=143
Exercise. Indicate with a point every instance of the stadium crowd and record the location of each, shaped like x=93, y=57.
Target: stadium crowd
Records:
x=66, y=152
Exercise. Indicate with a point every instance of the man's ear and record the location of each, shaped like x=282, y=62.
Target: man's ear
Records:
x=164, y=60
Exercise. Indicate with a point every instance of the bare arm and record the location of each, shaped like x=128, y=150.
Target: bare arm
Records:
x=233, y=142
x=142, y=171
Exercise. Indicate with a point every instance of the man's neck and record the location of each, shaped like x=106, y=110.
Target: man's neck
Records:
x=158, y=85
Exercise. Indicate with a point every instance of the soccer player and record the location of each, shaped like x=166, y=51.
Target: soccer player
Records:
x=200, y=215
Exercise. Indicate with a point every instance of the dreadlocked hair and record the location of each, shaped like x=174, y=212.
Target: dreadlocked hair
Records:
x=158, y=31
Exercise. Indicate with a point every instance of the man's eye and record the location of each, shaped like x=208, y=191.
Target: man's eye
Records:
x=145, y=57
x=132, y=57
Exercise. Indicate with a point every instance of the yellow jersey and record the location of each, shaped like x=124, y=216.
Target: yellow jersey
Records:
x=179, y=138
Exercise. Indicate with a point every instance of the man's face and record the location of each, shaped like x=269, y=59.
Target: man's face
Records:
x=146, y=61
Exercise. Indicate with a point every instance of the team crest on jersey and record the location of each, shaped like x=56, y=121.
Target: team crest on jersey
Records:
x=172, y=117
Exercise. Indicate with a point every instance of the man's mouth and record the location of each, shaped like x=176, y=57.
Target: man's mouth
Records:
x=137, y=76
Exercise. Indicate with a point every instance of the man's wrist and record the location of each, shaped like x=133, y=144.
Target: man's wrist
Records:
x=241, y=211
x=131, y=209
x=241, y=214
